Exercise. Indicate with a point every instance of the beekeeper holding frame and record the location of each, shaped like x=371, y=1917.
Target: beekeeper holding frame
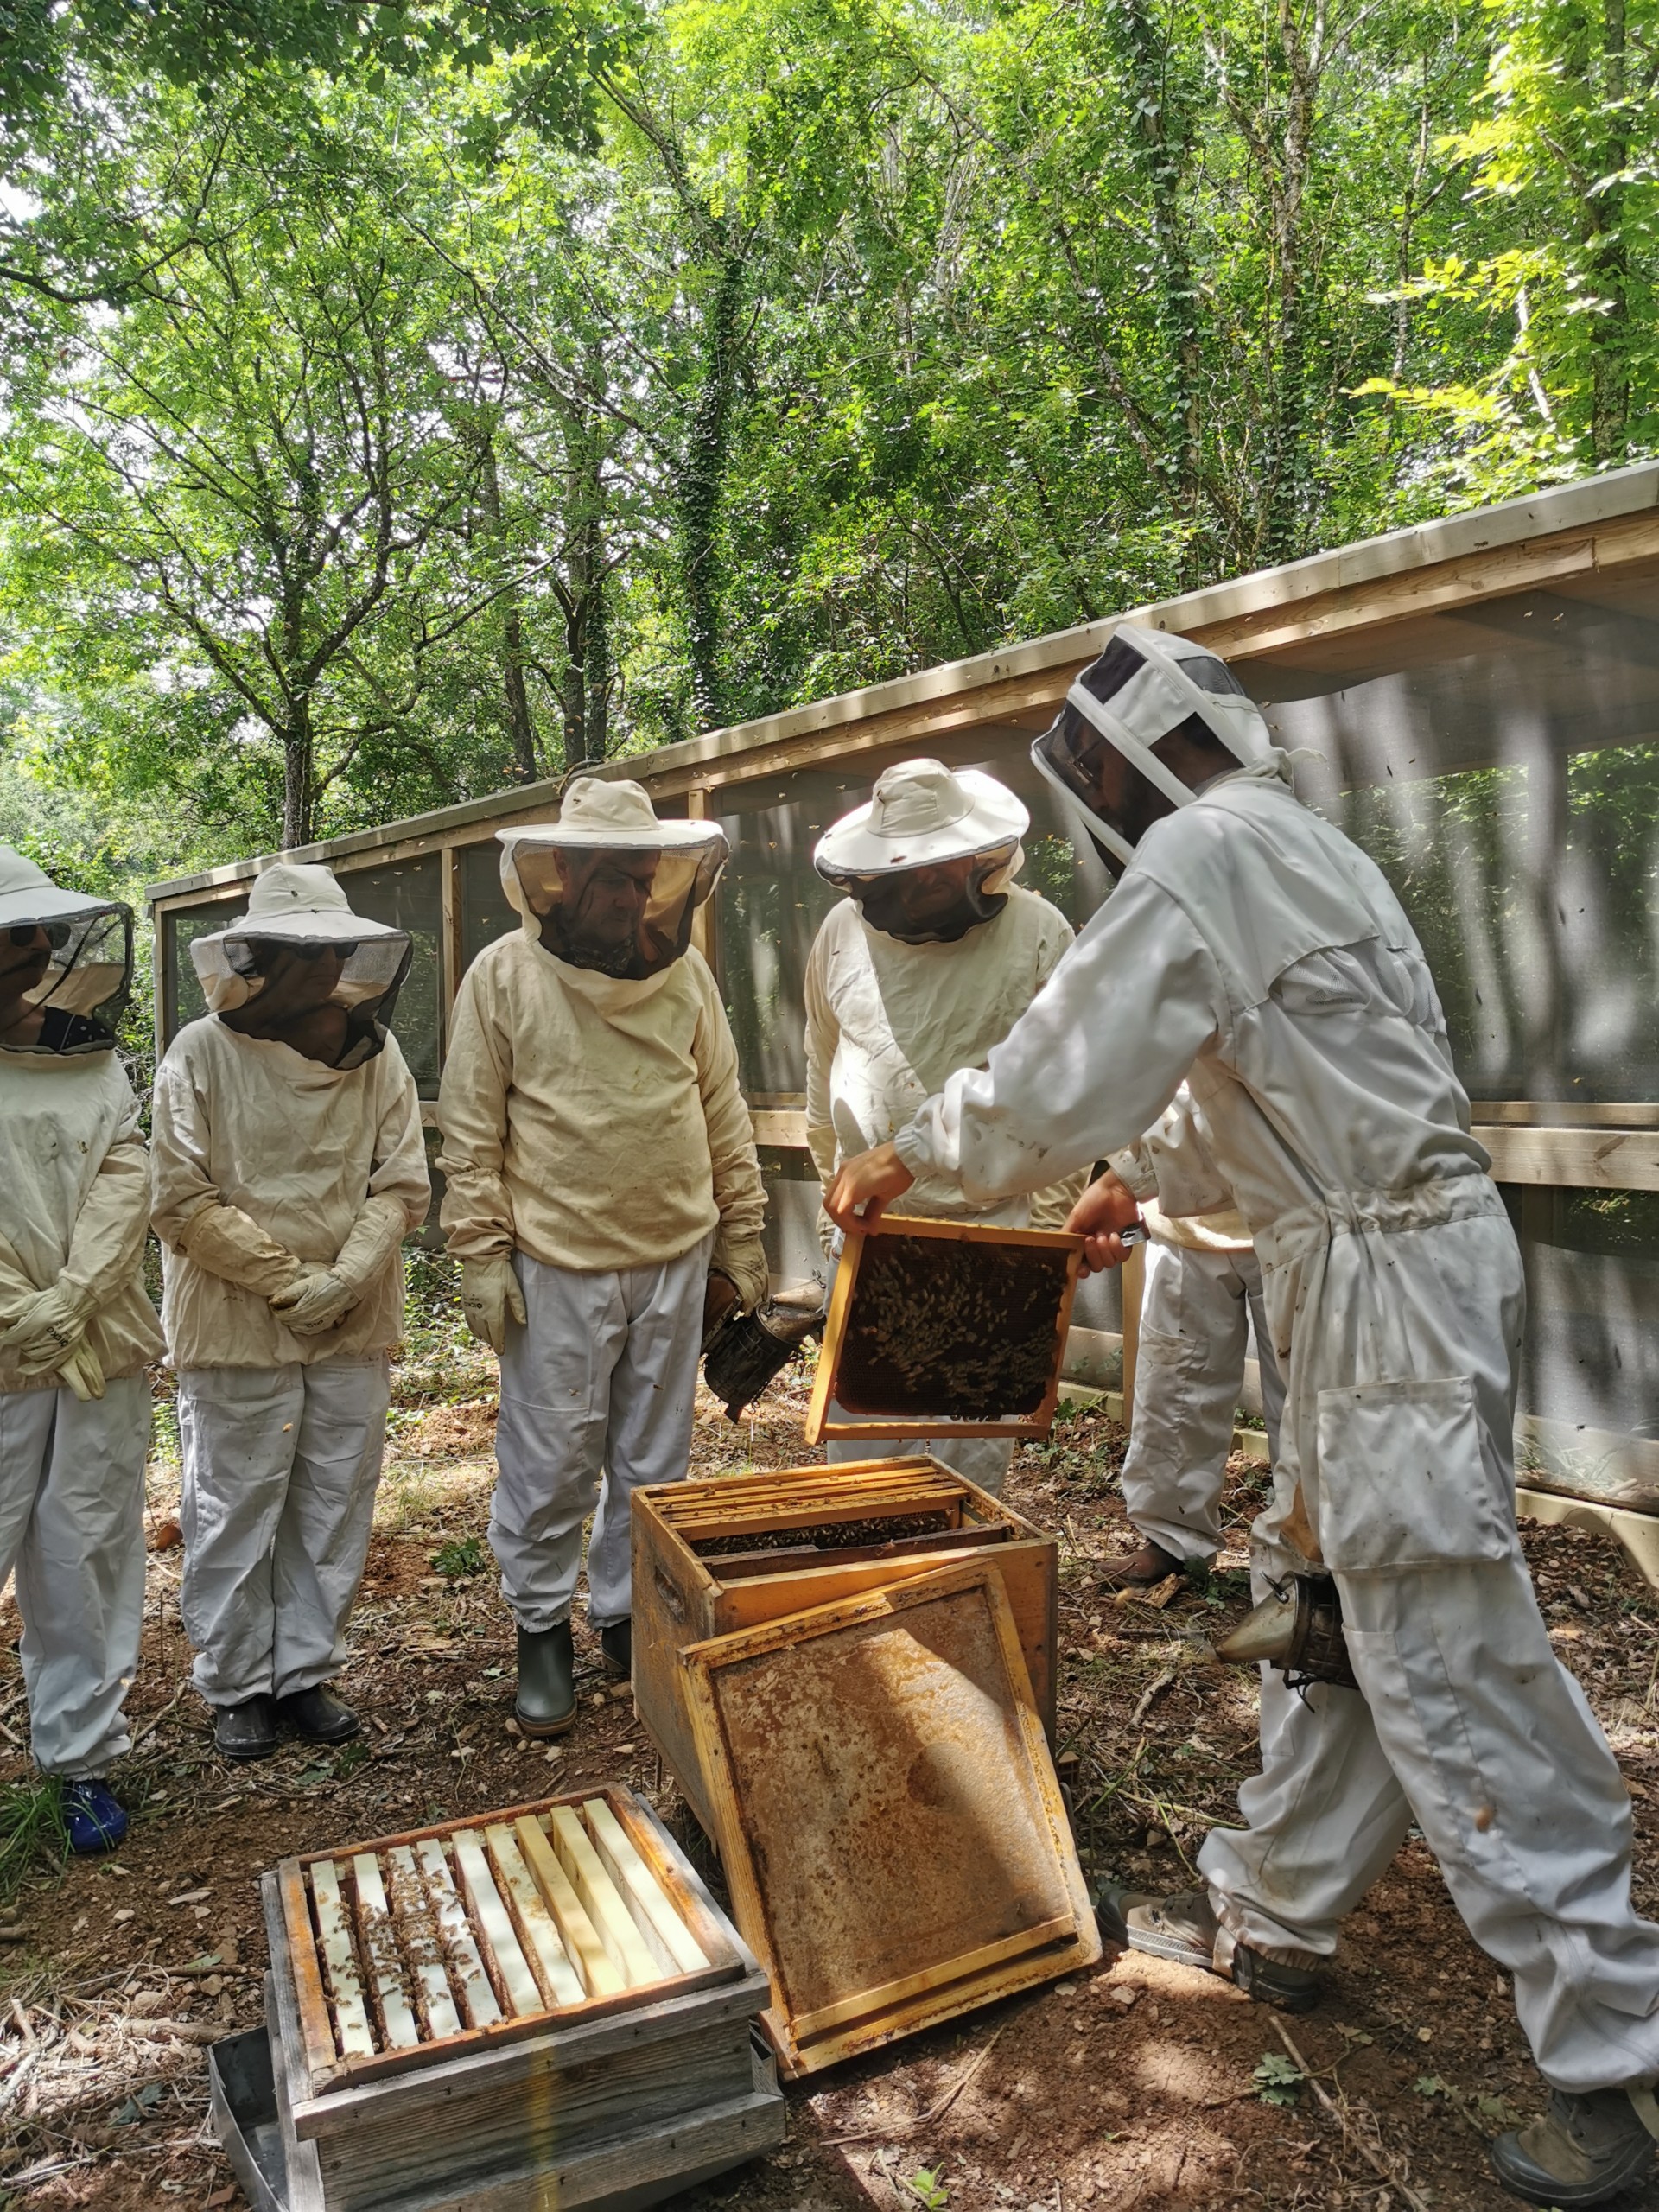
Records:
x=1252, y=949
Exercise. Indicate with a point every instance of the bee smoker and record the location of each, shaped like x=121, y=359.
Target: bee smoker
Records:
x=1297, y=1629
x=749, y=1349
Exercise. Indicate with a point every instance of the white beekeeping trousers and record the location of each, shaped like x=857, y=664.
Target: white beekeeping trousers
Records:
x=280, y=1468
x=72, y=1525
x=598, y=1391
x=1466, y=1722
x=1198, y=1312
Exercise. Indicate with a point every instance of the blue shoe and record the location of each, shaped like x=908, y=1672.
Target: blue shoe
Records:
x=92, y=1817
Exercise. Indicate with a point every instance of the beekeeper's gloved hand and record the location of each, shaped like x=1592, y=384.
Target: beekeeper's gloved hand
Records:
x=489, y=1292
x=720, y=1298
x=82, y=1372
x=316, y=1303
x=49, y=1328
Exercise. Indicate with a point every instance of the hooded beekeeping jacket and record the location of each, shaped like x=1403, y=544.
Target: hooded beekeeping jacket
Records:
x=887, y=1022
x=1251, y=947
x=261, y=1157
x=74, y=1200
x=595, y=1121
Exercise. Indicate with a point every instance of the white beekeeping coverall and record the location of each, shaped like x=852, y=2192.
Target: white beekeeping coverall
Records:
x=1202, y=1280
x=76, y=1328
x=1252, y=949
x=282, y=1190
x=599, y=1157
x=889, y=1017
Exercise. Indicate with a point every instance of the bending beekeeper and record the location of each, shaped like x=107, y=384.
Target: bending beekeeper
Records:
x=603, y=1196
x=76, y=1331
x=1251, y=949
x=1201, y=1304
x=929, y=960
x=289, y=1166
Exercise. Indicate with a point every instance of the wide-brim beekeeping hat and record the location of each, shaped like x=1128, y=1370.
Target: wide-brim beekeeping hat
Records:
x=921, y=813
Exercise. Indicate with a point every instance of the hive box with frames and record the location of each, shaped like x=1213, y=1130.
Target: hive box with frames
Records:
x=732, y=1552
x=541, y=2005
x=945, y=1328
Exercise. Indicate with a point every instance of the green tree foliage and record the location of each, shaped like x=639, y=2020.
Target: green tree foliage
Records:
x=405, y=399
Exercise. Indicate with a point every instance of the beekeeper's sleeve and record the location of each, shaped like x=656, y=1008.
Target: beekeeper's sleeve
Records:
x=109, y=1228
x=477, y=1210
x=186, y=1210
x=739, y=1195
x=400, y=1191
x=822, y=1035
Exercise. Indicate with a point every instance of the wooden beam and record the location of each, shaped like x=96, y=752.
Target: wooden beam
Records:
x=449, y=945
x=1593, y=1160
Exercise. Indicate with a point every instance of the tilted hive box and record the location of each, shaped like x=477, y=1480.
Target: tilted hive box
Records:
x=713, y=1557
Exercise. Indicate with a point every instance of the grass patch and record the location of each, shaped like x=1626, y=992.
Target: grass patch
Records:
x=32, y=1831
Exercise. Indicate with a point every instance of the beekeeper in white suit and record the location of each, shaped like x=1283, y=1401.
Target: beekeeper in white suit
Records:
x=76, y=1331
x=1201, y=1303
x=288, y=1167
x=929, y=960
x=603, y=1196
x=1252, y=949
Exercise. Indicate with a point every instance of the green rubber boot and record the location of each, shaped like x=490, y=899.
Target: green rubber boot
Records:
x=546, y=1702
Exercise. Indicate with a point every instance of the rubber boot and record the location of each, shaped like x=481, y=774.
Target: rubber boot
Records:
x=616, y=1648
x=317, y=1715
x=1184, y=1928
x=546, y=1701
x=1584, y=2150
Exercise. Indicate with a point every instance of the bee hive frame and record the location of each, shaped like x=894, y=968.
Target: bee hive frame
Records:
x=509, y=2099
x=969, y=1263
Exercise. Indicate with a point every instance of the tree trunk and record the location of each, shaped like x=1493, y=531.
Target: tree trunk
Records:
x=299, y=772
x=515, y=697
x=1608, y=269
x=701, y=484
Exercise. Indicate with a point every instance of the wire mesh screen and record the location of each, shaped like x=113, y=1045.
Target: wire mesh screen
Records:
x=484, y=913
x=1501, y=766
x=409, y=895
x=184, y=1001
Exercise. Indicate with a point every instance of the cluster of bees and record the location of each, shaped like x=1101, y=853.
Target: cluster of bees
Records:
x=965, y=1331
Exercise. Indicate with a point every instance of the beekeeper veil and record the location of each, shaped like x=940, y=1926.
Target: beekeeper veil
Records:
x=301, y=968
x=931, y=854
x=607, y=886
x=1143, y=730
x=65, y=963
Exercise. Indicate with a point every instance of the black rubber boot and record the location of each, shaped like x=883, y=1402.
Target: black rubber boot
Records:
x=1184, y=1928
x=247, y=1731
x=546, y=1702
x=318, y=1715
x=1582, y=2152
x=616, y=1647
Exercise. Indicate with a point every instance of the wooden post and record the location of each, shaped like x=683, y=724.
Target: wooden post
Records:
x=449, y=946
x=704, y=933
x=1133, y=1276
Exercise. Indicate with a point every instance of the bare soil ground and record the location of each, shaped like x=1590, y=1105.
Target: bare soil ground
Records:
x=1137, y=2084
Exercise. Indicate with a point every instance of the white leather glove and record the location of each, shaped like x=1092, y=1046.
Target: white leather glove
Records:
x=49, y=1329
x=489, y=1292
x=82, y=1372
x=316, y=1304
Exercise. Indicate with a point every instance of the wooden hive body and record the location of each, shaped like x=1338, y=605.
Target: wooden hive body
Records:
x=580, y=2033
x=681, y=1599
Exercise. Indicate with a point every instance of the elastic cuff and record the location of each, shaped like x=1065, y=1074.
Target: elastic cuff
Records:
x=912, y=1147
x=1140, y=1181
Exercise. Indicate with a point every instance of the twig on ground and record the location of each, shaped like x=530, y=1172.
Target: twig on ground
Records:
x=148, y=1735
x=1338, y=2113
x=935, y=2111
x=1153, y=1689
